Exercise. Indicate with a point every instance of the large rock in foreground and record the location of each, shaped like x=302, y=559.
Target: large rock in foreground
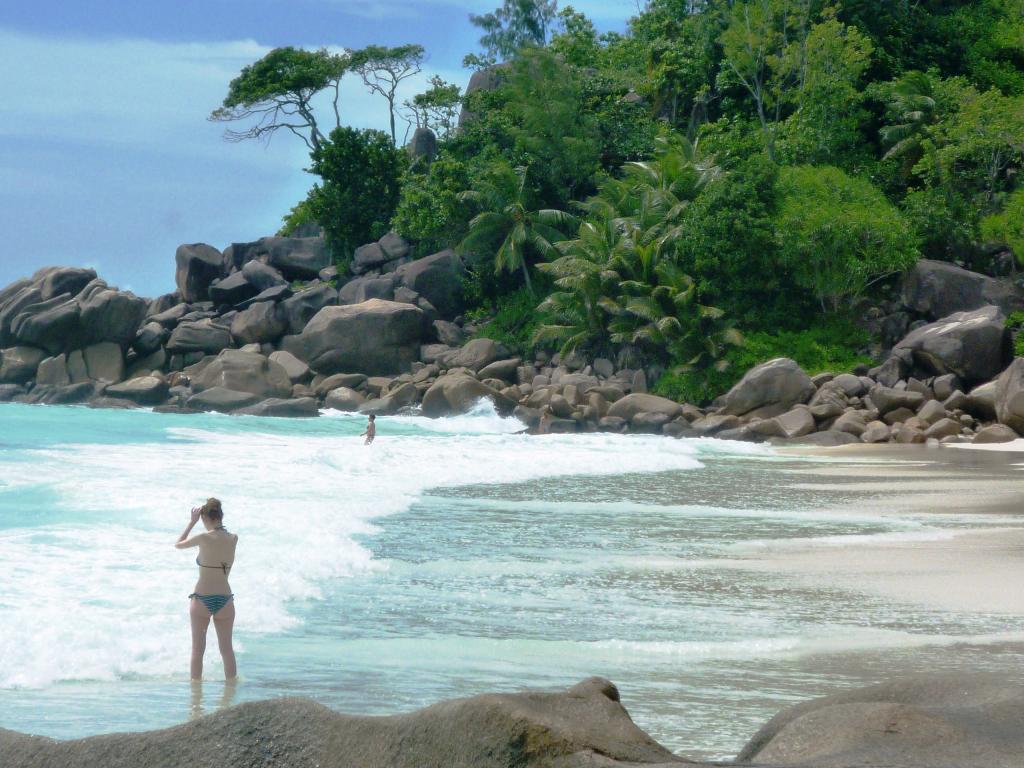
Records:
x=934, y=721
x=769, y=389
x=1010, y=396
x=973, y=345
x=375, y=337
x=938, y=289
x=585, y=726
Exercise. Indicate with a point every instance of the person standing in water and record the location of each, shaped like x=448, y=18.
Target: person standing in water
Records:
x=212, y=598
x=371, y=429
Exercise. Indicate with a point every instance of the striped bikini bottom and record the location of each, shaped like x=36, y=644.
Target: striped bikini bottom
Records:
x=213, y=603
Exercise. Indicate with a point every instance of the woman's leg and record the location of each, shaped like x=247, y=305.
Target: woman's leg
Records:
x=200, y=623
x=223, y=622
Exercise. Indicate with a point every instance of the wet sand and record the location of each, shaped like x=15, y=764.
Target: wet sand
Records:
x=976, y=568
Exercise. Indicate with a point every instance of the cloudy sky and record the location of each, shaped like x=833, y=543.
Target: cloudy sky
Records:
x=106, y=156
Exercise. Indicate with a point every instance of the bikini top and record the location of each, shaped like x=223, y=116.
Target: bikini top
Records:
x=223, y=566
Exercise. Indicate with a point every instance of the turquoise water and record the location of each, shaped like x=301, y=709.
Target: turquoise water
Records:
x=450, y=558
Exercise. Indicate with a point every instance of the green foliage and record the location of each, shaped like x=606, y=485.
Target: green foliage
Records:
x=513, y=321
x=1015, y=322
x=832, y=345
x=839, y=234
x=437, y=107
x=429, y=212
x=300, y=215
x=358, y=191
x=1007, y=226
x=383, y=69
x=619, y=283
x=506, y=224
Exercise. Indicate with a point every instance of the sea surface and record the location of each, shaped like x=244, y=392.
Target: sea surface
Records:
x=451, y=557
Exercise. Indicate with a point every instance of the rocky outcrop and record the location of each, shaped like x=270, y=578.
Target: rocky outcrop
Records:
x=248, y=372
x=296, y=258
x=769, y=389
x=937, y=289
x=375, y=337
x=1009, y=396
x=973, y=345
x=206, y=336
x=458, y=392
x=438, y=279
x=18, y=365
x=197, y=266
x=423, y=144
x=380, y=257
x=583, y=727
x=935, y=721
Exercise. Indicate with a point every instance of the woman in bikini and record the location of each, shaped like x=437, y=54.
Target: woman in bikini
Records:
x=212, y=598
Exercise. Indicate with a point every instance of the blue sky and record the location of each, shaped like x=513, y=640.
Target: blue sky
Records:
x=106, y=157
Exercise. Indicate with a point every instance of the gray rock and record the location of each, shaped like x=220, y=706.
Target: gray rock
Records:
x=145, y=390
x=629, y=406
x=54, y=281
x=995, y=433
x=828, y=438
x=107, y=314
x=196, y=267
x=303, y=306
x=52, y=325
x=942, y=428
x=205, y=336
x=397, y=398
x=938, y=289
x=247, y=372
x=395, y=246
x=769, y=389
x=981, y=401
x=973, y=345
x=436, y=278
x=887, y=399
x=1009, y=396
x=894, y=369
x=9, y=391
x=344, y=399
x=475, y=355
x=368, y=257
x=612, y=424
x=364, y=288
x=260, y=323
x=501, y=369
x=104, y=362
x=53, y=372
x=651, y=423
x=301, y=407
x=934, y=721
x=233, y=289
x=604, y=367
x=449, y=333
x=323, y=385
x=149, y=338
x=423, y=144
x=712, y=424
x=851, y=422
x=795, y=423
x=946, y=385
x=296, y=369
x=678, y=428
x=456, y=393
x=851, y=385
x=374, y=337
x=262, y=276
x=296, y=258
x=170, y=317
x=222, y=400
x=876, y=432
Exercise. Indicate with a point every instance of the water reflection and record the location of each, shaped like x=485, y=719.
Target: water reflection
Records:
x=196, y=708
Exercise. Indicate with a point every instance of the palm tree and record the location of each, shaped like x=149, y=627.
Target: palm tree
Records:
x=912, y=105
x=507, y=222
x=581, y=306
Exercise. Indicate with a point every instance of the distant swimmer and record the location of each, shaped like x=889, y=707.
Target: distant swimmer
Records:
x=371, y=429
x=546, y=417
x=212, y=598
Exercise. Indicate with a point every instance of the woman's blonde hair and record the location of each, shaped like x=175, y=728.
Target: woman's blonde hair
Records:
x=212, y=510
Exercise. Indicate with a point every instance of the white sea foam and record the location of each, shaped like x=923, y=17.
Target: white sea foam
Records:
x=89, y=602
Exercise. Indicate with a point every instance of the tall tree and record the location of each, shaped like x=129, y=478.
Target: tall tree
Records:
x=516, y=24
x=383, y=69
x=437, y=107
x=277, y=92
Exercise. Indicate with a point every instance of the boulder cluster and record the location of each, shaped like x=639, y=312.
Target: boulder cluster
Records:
x=270, y=328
